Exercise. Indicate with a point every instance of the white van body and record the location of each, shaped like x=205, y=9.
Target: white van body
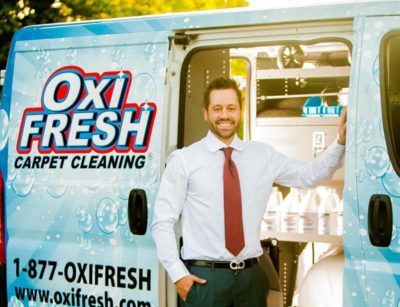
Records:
x=91, y=110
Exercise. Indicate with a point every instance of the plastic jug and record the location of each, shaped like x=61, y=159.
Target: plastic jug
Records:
x=290, y=211
x=308, y=213
x=272, y=213
x=326, y=212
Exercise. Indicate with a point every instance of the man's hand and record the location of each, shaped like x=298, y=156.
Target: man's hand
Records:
x=184, y=284
x=342, y=127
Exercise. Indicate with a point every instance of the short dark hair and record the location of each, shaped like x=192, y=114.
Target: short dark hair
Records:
x=221, y=83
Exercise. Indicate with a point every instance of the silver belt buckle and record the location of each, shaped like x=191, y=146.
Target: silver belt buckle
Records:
x=236, y=264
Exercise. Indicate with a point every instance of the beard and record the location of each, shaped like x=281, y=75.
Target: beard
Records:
x=223, y=133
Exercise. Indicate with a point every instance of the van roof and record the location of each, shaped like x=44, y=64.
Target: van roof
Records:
x=210, y=19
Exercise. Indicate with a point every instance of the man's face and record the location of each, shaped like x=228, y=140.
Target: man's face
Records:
x=223, y=114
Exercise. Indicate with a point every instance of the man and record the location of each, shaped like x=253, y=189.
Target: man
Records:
x=220, y=188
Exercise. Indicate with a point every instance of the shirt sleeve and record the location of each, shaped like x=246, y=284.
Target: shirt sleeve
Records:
x=167, y=209
x=299, y=174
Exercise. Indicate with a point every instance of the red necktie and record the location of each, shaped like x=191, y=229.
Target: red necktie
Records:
x=234, y=237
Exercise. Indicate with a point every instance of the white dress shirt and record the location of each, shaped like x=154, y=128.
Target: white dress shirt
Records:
x=192, y=187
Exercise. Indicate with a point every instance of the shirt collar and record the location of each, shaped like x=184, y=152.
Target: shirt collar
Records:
x=215, y=144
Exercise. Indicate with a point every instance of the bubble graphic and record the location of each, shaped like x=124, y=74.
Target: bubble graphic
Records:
x=84, y=242
x=14, y=302
x=94, y=180
x=149, y=173
x=42, y=174
x=42, y=56
x=391, y=183
x=363, y=232
x=43, y=72
x=57, y=185
x=149, y=50
x=375, y=70
x=365, y=131
x=117, y=55
x=43, y=59
x=113, y=242
x=395, y=244
x=361, y=152
x=129, y=236
x=84, y=220
x=122, y=213
x=157, y=67
x=368, y=131
x=109, y=176
x=107, y=215
x=4, y=128
x=360, y=175
x=376, y=161
x=14, y=137
x=12, y=172
x=350, y=139
x=23, y=182
x=71, y=55
x=389, y=298
x=144, y=88
x=124, y=186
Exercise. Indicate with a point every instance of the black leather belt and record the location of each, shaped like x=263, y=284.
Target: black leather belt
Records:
x=233, y=265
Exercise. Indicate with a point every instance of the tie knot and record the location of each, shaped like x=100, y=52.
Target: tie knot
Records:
x=228, y=152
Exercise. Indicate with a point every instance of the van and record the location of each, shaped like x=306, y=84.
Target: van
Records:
x=91, y=110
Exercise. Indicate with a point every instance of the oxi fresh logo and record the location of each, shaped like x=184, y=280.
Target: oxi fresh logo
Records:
x=83, y=112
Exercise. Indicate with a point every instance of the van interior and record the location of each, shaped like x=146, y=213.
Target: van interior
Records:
x=293, y=92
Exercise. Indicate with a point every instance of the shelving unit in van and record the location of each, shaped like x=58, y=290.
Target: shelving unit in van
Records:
x=281, y=97
x=284, y=92
x=277, y=109
x=300, y=237
x=316, y=72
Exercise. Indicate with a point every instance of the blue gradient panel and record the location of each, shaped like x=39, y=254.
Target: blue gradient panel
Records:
x=374, y=170
x=67, y=226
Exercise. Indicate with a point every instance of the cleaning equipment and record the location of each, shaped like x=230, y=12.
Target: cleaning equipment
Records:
x=308, y=213
x=290, y=211
x=326, y=213
x=272, y=213
x=314, y=106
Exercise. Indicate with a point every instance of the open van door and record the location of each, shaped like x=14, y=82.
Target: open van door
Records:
x=83, y=106
x=268, y=86
x=377, y=169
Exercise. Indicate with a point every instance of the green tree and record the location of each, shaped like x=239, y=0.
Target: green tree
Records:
x=20, y=13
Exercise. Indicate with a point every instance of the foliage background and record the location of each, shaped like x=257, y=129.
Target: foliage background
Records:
x=19, y=13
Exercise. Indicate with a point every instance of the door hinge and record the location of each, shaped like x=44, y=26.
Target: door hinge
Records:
x=181, y=39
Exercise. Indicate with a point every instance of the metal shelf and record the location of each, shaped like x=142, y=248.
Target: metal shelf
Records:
x=317, y=72
x=262, y=98
x=298, y=121
x=300, y=237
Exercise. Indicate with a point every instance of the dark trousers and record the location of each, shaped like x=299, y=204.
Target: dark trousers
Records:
x=228, y=288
